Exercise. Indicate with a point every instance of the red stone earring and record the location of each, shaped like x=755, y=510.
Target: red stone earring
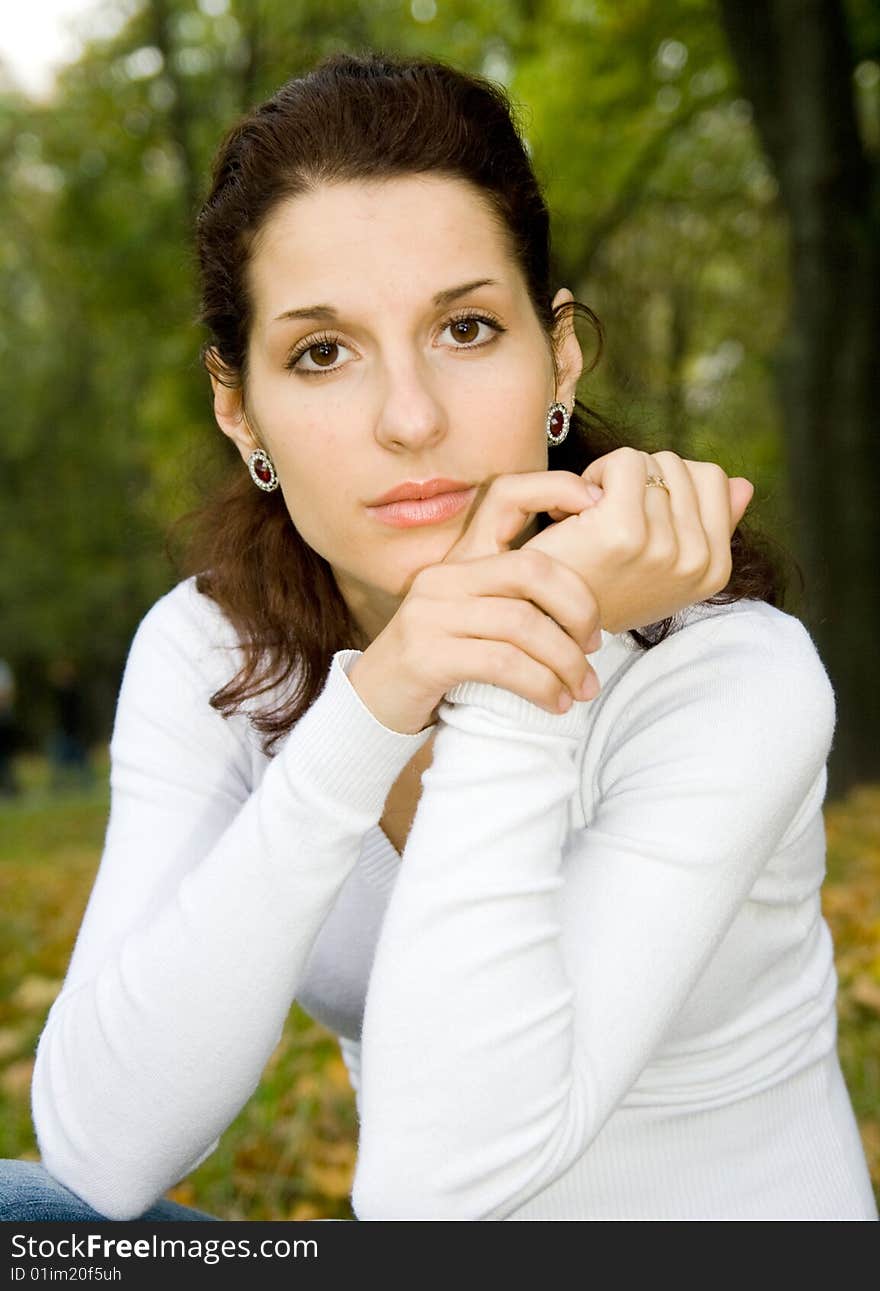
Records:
x=558, y=421
x=262, y=470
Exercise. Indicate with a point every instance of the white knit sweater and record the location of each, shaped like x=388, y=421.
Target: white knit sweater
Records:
x=600, y=985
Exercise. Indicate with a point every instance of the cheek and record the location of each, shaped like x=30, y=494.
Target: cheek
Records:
x=307, y=452
x=315, y=494
x=518, y=412
x=524, y=383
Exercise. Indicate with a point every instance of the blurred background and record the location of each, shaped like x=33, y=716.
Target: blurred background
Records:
x=712, y=170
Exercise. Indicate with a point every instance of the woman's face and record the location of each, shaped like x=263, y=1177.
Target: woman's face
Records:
x=372, y=362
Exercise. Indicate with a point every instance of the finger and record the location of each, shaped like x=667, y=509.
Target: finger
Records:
x=595, y=495
x=621, y=475
x=505, y=505
x=556, y=589
x=522, y=624
x=669, y=466
x=503, y=664
x=741, y=493
x=662, y=544
x=713, y=492
x=531, y=575
x=684, y=511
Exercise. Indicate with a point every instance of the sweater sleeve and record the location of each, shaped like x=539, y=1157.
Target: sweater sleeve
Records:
x=207, y=901
x=493, y=1050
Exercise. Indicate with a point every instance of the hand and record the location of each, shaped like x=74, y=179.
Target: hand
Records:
x=519, y=619
x=646, y=553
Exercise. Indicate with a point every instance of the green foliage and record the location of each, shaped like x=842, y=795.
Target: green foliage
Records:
x=666, y=222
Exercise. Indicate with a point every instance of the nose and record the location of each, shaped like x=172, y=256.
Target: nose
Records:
x=411, y=414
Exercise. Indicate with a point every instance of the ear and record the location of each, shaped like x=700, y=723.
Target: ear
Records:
x=569, y=356
x=229, y=410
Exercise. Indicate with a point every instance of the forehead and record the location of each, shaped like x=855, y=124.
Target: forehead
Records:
x=393, y=241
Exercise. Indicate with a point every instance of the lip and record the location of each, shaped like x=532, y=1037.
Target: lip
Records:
x=408, y=512
x=415, y=489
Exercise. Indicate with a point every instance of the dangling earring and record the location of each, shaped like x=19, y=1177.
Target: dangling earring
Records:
x=262, y=470
x=558, y=420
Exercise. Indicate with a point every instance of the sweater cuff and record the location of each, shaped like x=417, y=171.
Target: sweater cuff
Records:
x=346, y=750
x=517, y=712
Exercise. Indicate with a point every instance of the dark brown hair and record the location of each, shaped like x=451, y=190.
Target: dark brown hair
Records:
x=361, y=116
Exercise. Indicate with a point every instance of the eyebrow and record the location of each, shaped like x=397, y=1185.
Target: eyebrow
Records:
x=328, y=313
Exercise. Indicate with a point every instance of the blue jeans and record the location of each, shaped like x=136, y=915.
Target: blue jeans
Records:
x=28, y=1192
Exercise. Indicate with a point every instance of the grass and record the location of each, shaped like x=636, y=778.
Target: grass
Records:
x=290, y=1153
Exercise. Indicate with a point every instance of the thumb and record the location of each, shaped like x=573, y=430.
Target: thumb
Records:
x=741, y=493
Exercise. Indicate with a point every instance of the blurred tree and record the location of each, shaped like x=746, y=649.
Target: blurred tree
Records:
x=798, y=66
x=667, y=220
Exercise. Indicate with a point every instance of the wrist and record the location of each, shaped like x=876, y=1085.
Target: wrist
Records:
x=384, y=700
x=511, y=710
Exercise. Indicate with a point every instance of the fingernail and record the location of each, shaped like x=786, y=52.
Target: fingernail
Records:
x=565, y=702
x=594, y=491
x=589, y=688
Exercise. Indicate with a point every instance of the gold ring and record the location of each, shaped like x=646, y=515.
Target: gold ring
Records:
x=656, y=481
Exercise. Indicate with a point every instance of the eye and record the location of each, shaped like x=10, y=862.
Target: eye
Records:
x=466, y=330
x=321, y=351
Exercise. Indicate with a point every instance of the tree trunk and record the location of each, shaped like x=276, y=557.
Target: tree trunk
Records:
x=795, y=63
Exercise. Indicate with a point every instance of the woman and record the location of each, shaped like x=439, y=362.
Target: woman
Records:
x=599, y=981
